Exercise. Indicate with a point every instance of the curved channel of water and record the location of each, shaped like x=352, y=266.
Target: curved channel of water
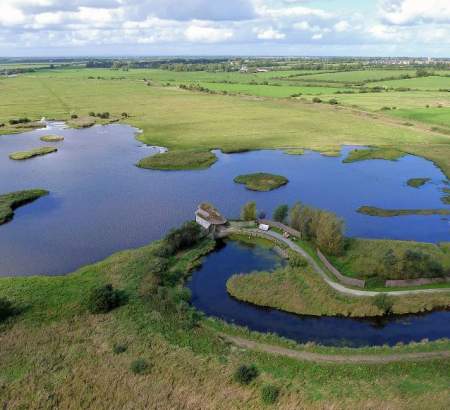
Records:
x=208, y=287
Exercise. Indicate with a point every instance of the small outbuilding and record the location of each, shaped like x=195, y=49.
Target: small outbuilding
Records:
x=263, y=227
x=209, y=218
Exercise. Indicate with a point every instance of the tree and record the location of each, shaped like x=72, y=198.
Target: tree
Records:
x=280, y=214
x=295, y=216
x=6, y=309
x=248, y=212
x=329, y=233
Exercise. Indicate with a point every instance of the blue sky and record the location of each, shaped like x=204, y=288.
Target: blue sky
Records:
x=225, y=27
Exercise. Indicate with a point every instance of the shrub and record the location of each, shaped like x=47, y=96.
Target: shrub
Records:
x=91, y=114
x=184, y=237
x=297, y=261
x=245, y=374
x=140, y=366
x=316, y=100
x=103, y=115
x=384, y=303
x=104, y=299
x=119, y=348
x=333, y=101
x=6, y=309
x=124, y=115
x=269, y=394
x=74, y=116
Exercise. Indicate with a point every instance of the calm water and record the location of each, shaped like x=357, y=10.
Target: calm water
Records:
x=208, y=286
x=100, y=202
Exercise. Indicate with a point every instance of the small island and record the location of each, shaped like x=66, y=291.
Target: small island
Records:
x=178, y=161
x=261, y=181
x=389, y=154
x=374, y=211
x=417, y=182
x=22, y=155
x=13, y=200
x=52, y=138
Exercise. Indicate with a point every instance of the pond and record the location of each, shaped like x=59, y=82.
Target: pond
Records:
x=100, y=202
x=208, y=287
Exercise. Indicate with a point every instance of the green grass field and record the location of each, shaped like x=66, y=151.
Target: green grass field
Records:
x=359, y=76
x=420, y=83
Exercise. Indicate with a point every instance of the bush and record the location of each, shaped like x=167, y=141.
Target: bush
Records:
x=333, y=101
x=186, y=236
x=316, y=100
x=245, y=374
x=6, y=309
x=269, y=394
x=125, y=115
x=91, y=114
x=74, y=116
x=140, y=366
x=119, y=348
x=103, y=115
x=384, y=303
x=104, y=299
x=297, y=261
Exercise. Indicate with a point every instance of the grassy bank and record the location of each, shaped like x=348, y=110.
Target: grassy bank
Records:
x=55, y=348
x=302, y=291
x=374, y=211
x=52, y=138
x=36, y=152
x=390, y=154
x=261, y=181
x=13, y=200
x=179, y=160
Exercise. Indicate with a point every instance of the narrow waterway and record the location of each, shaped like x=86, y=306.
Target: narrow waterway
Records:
x=209, y=295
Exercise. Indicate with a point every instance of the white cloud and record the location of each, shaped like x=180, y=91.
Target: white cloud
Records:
x=318, y=36
x=415, y=11
x=11, y=15
x=270, y=34
x=204, y=34
x=342, y=26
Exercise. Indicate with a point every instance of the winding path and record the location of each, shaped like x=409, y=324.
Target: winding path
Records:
x=336, y=286
x=335, y=358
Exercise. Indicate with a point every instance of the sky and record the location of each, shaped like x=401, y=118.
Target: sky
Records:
x=41, y=28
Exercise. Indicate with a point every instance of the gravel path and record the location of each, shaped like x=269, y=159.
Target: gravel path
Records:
x=328, y=358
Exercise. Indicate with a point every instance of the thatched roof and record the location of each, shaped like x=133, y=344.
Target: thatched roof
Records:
x=209, y=213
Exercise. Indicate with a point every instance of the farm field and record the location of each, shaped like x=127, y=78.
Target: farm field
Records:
x=420, y=83
x=358, y=76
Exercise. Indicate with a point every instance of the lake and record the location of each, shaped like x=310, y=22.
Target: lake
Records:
x=209, y=294
x=100, y=202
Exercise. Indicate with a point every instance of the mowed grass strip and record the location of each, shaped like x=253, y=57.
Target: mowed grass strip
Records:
x=178, y=160
x=13, y=200
x=261, y=181
x=36, y=152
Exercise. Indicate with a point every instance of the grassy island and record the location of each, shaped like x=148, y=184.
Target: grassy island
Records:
x=261, y=181
x=52, y=138
x=390, y=154
x=374, y=211
x=417, y=182
x=13, y=200
x=179, y=160
x=22, y=155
